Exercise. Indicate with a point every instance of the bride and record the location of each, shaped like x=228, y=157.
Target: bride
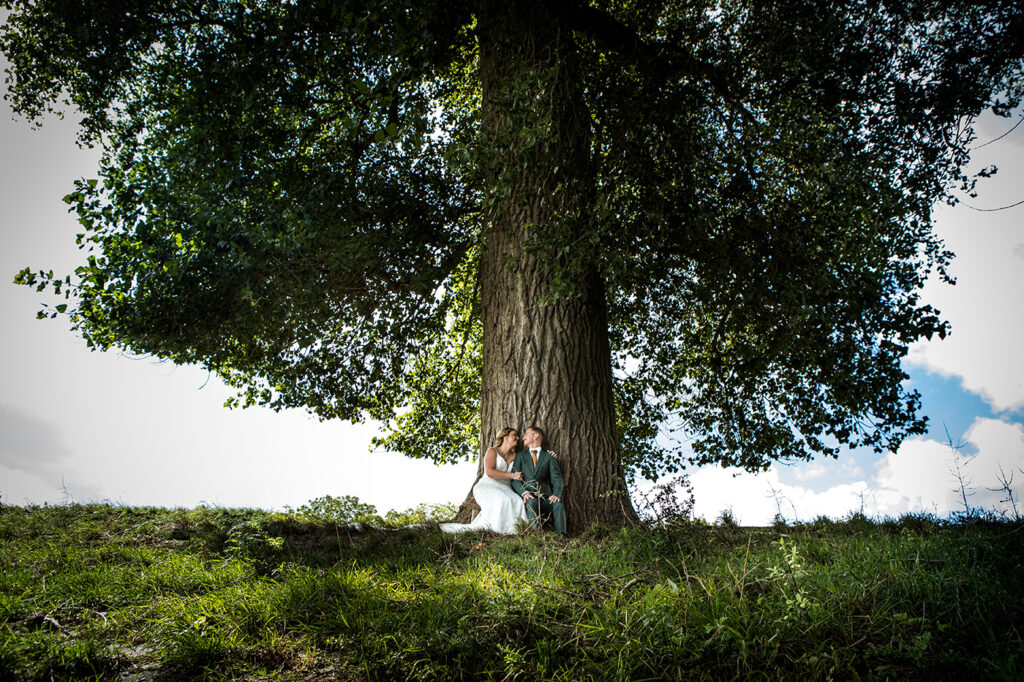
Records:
x=500, y=507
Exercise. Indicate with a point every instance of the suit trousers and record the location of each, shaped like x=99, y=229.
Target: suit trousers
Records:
x=554, y=509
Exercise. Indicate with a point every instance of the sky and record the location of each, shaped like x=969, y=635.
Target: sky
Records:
x=82, y=426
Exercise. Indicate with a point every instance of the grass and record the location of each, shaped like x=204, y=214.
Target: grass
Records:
x=105, y=592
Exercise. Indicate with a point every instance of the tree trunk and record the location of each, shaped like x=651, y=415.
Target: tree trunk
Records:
x=546, y=365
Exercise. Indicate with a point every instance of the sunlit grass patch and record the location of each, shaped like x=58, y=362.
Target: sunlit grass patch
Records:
x=225, y=594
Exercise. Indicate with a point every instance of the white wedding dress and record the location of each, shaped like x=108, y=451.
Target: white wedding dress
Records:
x=500, y=507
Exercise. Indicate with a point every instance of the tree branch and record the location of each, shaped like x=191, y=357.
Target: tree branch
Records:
x=660, y=61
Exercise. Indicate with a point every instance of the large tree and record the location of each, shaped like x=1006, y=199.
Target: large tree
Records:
x=665, y=231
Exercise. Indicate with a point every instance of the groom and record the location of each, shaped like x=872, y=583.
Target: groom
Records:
x=542, y=475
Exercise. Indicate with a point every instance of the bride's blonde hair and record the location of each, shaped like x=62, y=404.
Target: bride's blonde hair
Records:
x=501, y=435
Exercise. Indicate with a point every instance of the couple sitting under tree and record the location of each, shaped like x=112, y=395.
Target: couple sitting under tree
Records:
x=517, y=483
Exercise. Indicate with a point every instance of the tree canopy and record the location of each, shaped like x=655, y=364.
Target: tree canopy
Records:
x=296, y=196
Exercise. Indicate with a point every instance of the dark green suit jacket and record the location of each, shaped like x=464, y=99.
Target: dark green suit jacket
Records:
x=547, y=474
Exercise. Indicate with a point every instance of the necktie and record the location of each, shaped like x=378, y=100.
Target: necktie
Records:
x=534, y=451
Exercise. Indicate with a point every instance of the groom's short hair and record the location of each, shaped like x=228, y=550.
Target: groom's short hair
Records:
x=539, y=432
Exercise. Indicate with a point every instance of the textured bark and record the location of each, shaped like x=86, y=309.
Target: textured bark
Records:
x=543, y=365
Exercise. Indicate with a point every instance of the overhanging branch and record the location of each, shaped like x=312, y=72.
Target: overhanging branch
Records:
x=660, y=61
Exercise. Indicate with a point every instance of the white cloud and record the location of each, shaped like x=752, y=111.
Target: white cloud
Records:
x=917, y=478
x=179, y=447
x=1000, y=447
x=920, y=478
x=29, y=443
x=755, y=499
x=985, y=308
x=810, y=471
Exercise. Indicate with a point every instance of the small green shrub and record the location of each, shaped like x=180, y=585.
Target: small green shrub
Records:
x=343, y=510
x=348, y=509
x=421, y=514
x=668, y=502
x=727, y=519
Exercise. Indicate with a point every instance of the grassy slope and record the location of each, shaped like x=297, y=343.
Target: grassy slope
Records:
x=99, y=591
